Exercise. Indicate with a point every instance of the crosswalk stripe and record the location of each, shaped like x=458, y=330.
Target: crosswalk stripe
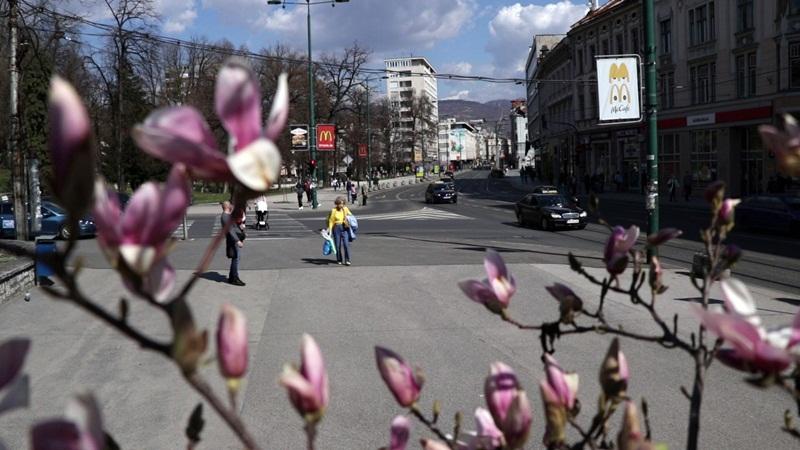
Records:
x=422, y=214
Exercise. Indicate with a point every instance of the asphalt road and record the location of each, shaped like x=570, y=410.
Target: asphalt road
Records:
x=401, y=293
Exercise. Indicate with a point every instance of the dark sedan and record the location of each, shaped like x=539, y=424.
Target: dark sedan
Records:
x=770, y=212
x=549, y=211
x=441, y=192
x=54, y=222
x=7, y=222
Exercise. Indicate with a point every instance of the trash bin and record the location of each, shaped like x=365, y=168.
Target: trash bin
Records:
x=45, y=247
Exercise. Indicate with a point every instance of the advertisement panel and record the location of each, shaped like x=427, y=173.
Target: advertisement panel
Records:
x=299, y=135
x=362, y=150
x=618, y=88
x=326, y=137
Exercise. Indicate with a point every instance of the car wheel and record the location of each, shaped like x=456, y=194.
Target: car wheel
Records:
x=544, y=224
x=581, y=227
x=63, y=232
x=455, y=200
x=520, y=220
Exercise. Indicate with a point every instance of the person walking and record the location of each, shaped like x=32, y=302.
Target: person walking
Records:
x=353, y=194
x=299, y=189
x=687, y=186
x=363, y=196
x=672, y=187
x=234, y=241
x=338, y=228
x=307, y=188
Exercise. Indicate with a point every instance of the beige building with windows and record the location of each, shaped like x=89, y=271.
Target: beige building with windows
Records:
x=408, y=78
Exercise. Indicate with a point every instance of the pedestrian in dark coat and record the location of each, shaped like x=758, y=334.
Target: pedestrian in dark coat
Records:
x=234, y=241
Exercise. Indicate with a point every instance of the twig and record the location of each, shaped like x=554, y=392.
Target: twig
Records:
x=519, y=325
x=434, y=429
x=586, y=436
x=311, y=434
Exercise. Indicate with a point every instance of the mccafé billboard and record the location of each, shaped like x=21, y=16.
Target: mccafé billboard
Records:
x=326, y=137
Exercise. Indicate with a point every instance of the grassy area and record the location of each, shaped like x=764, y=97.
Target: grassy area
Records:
x=209, y=197
x=5, y=257
x=5, y=180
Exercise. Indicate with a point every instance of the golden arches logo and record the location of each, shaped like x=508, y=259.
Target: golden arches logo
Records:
x=618, y=73
x=325, y=136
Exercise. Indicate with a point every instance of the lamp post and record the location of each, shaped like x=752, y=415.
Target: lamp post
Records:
x=311, y=117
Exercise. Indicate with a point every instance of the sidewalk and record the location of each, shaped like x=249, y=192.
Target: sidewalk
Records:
x=694, y=203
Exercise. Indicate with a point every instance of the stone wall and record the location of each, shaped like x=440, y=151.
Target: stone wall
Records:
x=16, y=278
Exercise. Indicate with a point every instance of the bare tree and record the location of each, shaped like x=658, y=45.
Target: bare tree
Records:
x=340, y=74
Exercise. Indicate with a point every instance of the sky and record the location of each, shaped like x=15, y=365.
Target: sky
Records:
x=467, y=37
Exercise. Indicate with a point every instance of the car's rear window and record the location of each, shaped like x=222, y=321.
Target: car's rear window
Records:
x=6, y=208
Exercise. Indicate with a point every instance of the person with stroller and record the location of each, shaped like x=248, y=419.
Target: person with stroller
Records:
x=262, y=212
x=338, y=227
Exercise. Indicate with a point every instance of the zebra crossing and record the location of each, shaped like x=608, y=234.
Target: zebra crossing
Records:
x=425, y=213
x=280, y=224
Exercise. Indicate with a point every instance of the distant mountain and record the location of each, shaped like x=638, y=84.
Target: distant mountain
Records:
x=469, y=110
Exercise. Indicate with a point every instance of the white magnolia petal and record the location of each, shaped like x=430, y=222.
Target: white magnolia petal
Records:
x=139, y=258
x=739, y=300
x=257, y=166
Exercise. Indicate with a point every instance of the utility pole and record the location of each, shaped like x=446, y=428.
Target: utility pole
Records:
x=313, y=120
x=652, y=122
x=14, y=153
x=120, y=57
x=369, y=139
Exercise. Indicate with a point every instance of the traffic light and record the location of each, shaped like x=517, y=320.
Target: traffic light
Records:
x=312, y=164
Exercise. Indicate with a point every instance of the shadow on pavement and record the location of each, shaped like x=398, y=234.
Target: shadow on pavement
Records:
x=711, y=301
x=791, y=301
x=319, y=261
x=214, y=276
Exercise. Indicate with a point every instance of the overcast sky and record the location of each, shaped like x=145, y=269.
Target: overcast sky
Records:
x=470, y=37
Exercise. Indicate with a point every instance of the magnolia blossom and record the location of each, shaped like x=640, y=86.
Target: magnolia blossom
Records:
x=496, y=290
x=785, y=144
x=232, y=342
x=404, y=382
x=569, y=302
x=138, y=239
x=508, y=404
x=563, y=385
x=725, y=213
x=80, y=429
x=614, y=372
x=430, y=444
x=663, y=235
x=308, y=387
x=400, y=432
x=71, y=150
x=618, y=246
x=487, y=434
x=752, y=347
x=655, y=275
x=181, y=135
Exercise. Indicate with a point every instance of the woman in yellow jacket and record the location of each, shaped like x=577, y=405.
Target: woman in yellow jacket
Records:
x=337, y=223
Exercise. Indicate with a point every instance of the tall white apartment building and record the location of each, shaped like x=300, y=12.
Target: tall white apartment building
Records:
x=407, y=78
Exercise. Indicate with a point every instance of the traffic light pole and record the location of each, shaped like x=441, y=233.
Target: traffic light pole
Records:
x=369, y=139
x=311, y=117
x=652, y=122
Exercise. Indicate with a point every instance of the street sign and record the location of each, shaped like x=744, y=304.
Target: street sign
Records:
x=326, y=137
x=299, y=135
x=618, y=89
x=347, y=159
x=362, y=150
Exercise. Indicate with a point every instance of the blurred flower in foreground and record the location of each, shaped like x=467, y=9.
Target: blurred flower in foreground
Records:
x=308, y=386
x=232, y=343
x=614, y=372
x=400, y=432
x=496, y=290
x=569, y=303
x=785, y=144
x=559, y=393
x=619, y=244
x=404, y=382
x=181, y=134
x=508, y=404
x=80, y=429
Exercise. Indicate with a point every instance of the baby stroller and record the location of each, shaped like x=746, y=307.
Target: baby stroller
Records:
x=262, y=215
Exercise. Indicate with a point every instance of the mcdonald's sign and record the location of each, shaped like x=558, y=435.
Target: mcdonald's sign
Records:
x=362, y=150
x=326, y=137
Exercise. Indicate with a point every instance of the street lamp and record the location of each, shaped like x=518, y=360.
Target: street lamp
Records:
x=312, y=120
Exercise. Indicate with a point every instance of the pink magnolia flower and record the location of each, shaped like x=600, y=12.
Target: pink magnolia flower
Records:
x=630, y=436
x=404, y=382
x=232, y=342
x=180, y=134
x=71, y=150
x=12, y=358
x=508, y=404
x=138, y=239
x=618, y=245
x=487, y=433
x=785, y=144
x=496, y=290
x=430, y=444
x=308, y=387
x=81, y=429
x=663, y=235
x=614, y=372
x=400, y=432
x=725, y=214
x=564, y=386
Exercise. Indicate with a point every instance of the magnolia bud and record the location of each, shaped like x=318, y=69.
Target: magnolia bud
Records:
x=614, y=372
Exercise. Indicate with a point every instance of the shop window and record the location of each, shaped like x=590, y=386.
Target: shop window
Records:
x=704, y=156
x=744, y=15
x=752, y=158
x=669, y=158
x=794, y=65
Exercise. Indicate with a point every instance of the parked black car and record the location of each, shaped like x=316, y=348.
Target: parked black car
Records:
x=550, y=211
x=7, y=223
x=441, y=192
x=770, y=212
x=54, y=222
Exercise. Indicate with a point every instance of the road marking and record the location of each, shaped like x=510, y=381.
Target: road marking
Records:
x=420, y=214
x=178, y=233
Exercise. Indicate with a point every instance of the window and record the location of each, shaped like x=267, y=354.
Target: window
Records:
x=701, y=24
x=794, y=7
x=581, y=106
x=580, y=61
x=794, y=65
x=704, y=156
x=620, y=44
x=635, y=40
x=702, y=80
x=666, y=36
x=666, y=90
x=744, y=15
x=591, y=57
x=669, y=158
x=746, y=75
x=605, y=47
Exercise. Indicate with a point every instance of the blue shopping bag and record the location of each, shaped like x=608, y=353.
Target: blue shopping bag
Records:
x=327, y=248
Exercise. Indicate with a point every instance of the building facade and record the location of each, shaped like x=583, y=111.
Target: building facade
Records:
x=541, y=42
x=459, y=143
x=409, y=78
x=519, y=133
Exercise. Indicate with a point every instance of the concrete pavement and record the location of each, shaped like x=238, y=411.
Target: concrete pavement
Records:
x=416, y=310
